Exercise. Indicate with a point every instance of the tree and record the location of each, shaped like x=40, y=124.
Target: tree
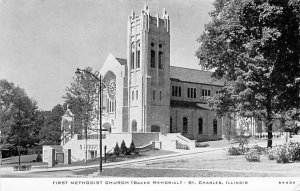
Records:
x=82, y=97
x=253, y=45
x=132, y=147
x=50, y=133
x=123, y=148
x=117, y=150
x=18, y=116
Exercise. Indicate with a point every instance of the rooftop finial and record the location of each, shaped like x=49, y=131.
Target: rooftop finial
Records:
x=165, y=13
x=145, y=7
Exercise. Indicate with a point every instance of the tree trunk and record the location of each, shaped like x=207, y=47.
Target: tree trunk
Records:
x=270, y=136
x=269, y=124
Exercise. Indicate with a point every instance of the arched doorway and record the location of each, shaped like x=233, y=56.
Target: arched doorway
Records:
x=107, y=126
x=155, y=128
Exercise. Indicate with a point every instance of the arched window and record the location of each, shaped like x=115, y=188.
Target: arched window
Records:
x=133, y=126
x=185, y=125
x=132, y=55
x=215, y=127
x=138, y=55
x=160, y=60
x=200, y=125
x=132, y=96
x=152, y=61
x=155, y=128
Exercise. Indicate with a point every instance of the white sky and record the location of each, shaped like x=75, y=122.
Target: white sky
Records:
x=42, y=42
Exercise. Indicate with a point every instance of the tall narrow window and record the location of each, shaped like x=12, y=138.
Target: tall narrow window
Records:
x=113, y=106
x=185, y=125
x=138, y=55
x=191, y=93
x=152, y=58
x=179, y=91
x=132, y=60
x=215, y=127
x=160, y=57
x=132, y=95
x=173, y=90
x=176, y=91
x=153, y=94
x=137, y=95
x=200, y=126
x=160, y=95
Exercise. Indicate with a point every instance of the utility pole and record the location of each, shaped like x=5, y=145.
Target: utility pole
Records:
x=19, y=128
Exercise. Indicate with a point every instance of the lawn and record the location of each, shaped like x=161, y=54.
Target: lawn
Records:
x=222, y=162
x=212, y=164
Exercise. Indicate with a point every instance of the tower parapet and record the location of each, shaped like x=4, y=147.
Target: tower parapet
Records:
x=162, y=22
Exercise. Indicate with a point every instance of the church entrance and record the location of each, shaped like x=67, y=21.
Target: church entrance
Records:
x=155, y=128
x=107, y=126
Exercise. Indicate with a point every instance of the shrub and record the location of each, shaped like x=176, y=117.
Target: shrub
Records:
x=182, y=146
x=288, y=152
x=293, y=149
x=117, y=150
x=136, y=152
x=128, y=152
x=260, y=150
x=281, y=153
x=235, y=151
x=201, y=144
x=252, y=156
x=132, y=147
x=272, y=154
x=109, y=154
x=123, y=147
x=39, y=158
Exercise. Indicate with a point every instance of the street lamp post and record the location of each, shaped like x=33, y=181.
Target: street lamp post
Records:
x=99, y=116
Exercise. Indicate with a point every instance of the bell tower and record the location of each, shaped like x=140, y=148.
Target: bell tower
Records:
x=148, y=59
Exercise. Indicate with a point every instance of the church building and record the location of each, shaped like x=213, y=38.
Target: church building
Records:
x=144, y=93
x=149, y=102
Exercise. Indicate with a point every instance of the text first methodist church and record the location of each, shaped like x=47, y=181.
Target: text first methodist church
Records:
x=147, y=100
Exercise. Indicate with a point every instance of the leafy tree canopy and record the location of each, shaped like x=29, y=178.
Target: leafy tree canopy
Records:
x=254, y=46
x=82, y=97
x=18, y=115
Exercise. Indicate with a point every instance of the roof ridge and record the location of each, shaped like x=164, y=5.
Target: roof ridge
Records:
x=191, y=69
x=121, y=58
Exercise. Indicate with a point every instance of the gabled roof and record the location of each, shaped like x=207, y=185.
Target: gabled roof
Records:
x=193, y=76
x=187, y=75
x=122, y=61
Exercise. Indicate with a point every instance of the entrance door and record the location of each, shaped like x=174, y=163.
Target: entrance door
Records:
x=92, y=154
x=155, y=128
